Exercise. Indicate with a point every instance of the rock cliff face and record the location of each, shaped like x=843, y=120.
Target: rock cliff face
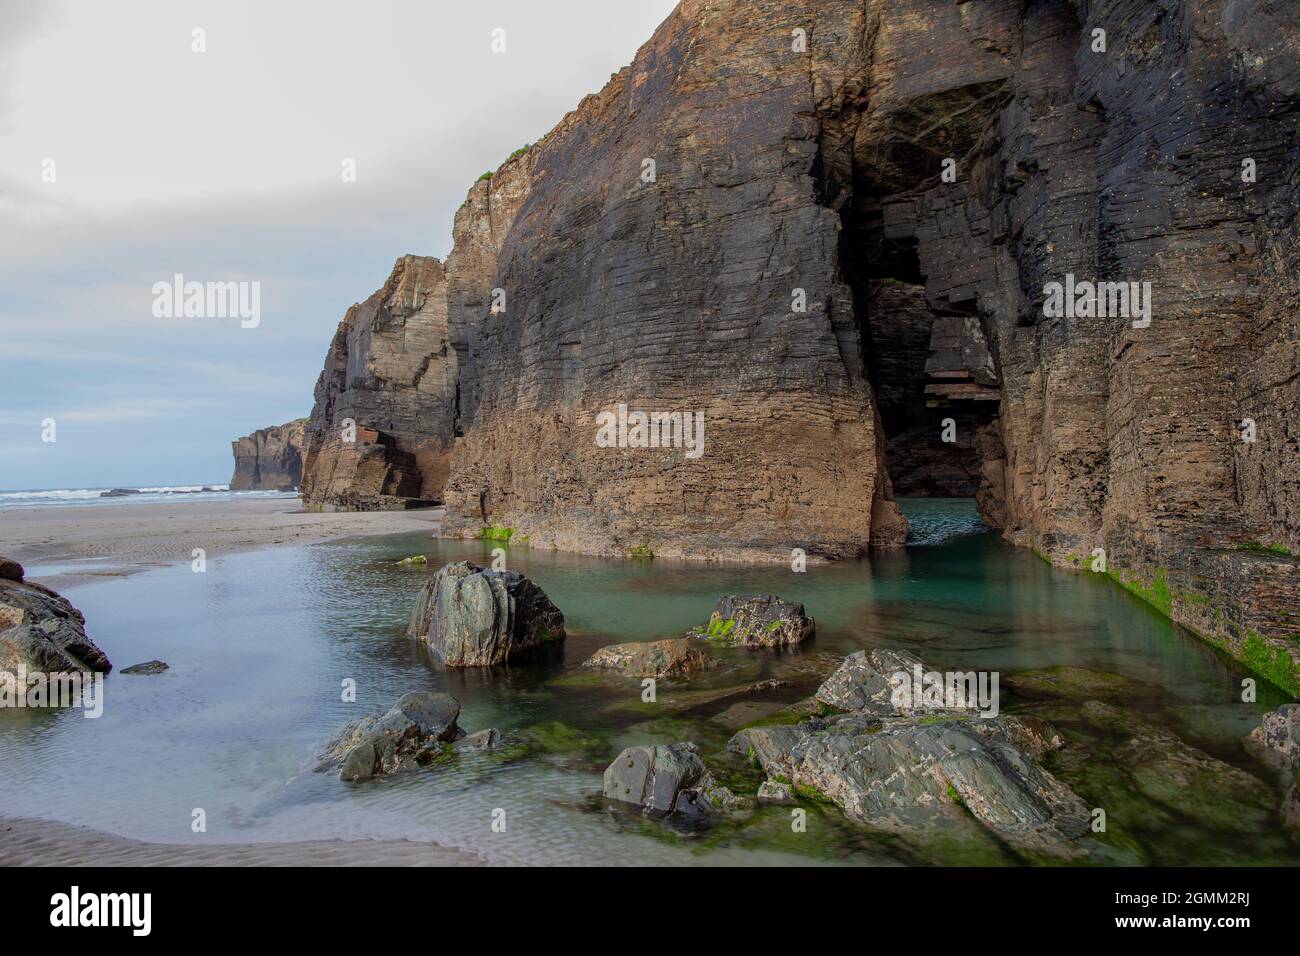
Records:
x=381, y=430
x=831, y=229
x=270, y=459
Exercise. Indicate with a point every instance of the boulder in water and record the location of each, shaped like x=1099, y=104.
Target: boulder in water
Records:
x=668, y=780
x=758, y=620
x=475, y=617
x=414, y=732
x=670, y=658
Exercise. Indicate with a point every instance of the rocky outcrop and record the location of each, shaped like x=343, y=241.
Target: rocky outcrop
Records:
x=416, y=731
x=758, y=620
x=381, y=430
x=669, y=780
x=270, y=459
x=921, y=771
x=651, y=291
x=41, y=631
x=674, y=657
x=829, y=230
x=1109, y=434
x=474, y=617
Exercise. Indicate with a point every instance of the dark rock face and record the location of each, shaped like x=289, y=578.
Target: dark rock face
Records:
x=381, y=429
x=842, y=246
x=472, y=617
x=1111, y=436
x=270, y=459
x=41, y=631
x=413, y=733
x=674, y=657
x=759, y=620
x=10, y=570
x=658, y=292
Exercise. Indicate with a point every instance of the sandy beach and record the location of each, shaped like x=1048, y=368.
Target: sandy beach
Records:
x=66, y=546
x=44, y=843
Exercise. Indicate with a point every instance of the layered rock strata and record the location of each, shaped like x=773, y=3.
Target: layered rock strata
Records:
x=819, y=229
x=270, y=459
x=381, y=430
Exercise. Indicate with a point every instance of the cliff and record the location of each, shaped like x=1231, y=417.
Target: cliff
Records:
x=833, y=230
x=270, y=459
x=381, y=429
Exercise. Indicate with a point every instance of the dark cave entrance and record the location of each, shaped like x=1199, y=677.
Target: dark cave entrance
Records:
x=930, y=368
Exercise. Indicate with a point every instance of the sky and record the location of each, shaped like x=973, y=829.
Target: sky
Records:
x=126, y=157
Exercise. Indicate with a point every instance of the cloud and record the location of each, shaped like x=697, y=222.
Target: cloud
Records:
x=226, y=166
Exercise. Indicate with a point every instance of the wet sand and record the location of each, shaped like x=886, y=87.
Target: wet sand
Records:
x=43, y=843
x=66, y=546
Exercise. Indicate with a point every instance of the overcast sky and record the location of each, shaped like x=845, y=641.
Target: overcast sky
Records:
x=226, y=165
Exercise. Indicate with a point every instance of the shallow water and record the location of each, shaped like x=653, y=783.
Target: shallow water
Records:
x=260, y=644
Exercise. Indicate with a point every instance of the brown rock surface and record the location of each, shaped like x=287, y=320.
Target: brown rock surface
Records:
x=381, y=430
x=270, y=459
x=42, y=631
x=778, y=170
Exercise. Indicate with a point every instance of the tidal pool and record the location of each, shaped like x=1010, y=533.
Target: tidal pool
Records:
x=260, y=645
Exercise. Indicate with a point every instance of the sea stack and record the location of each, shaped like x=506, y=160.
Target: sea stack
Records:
x=270, y=459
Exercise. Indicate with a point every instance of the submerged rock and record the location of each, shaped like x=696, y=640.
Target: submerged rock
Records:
x=670, y=658
x=41, y=630
x=1081, y=683
x=489, y=739
x=414, y=732
x=1184, y=779
x=475, y=617
x=148, y=667
x=758, y=620
x=668, y=780
x=1276, y=742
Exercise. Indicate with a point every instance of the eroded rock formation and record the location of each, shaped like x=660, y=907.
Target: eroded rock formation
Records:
x=381, y=429
x=830, y=228
x=270, y=459
x=41, y=631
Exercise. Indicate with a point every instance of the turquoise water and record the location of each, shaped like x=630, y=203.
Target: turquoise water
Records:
x=260, y=644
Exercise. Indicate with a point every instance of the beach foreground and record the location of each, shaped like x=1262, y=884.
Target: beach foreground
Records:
x=44, y=843
x=67, y=546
